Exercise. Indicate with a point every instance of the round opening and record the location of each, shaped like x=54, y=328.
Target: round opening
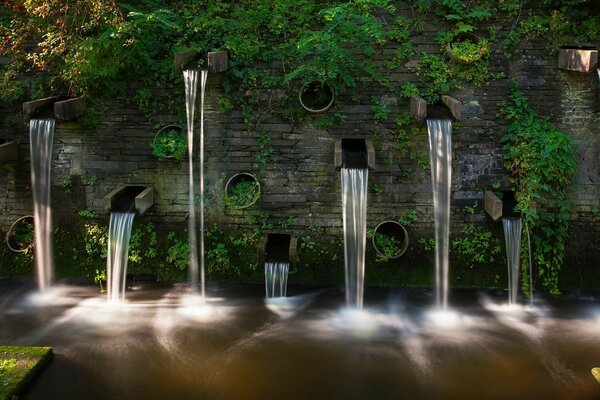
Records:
x=316, y=97
x=242, y=190
x=467, y=48
x=19, y=237
x=390, y=240
x=170, y=143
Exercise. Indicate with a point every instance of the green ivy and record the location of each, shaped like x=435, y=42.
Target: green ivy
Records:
x=542, y=161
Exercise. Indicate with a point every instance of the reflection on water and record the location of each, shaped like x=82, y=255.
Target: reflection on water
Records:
x=164, y=343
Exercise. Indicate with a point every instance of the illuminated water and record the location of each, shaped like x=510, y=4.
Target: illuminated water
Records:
x=440, y=156
x=512, y=239
x=164, y=345
x=354, y=205
x=276, y=277
x=41, y=134
x=190, y=78
x=119, y=234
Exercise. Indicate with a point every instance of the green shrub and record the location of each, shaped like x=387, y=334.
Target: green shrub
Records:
x=170, y=144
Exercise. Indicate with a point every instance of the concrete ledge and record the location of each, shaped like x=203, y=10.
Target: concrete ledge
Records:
x=492, y=205
x=144, y=201
x=32, y=108
x=8, y=151
x=579, y=60
x=70, y=109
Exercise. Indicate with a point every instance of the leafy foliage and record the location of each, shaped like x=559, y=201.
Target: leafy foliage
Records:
x=170, y=144
x=542, y=161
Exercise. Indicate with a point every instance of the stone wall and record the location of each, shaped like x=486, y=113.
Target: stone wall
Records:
x=301, y=181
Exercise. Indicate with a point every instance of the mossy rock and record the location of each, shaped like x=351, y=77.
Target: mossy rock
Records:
x=18, y=367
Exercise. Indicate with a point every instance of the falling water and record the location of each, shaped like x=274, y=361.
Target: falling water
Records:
x=512, y=238
x=276, y=276
x=190, y=78
x=119, y=233
x=41, y=133
x=440, y=147
x=354, y=204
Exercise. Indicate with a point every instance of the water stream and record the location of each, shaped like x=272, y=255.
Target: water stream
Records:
x=276, y=277
x=119, y=233
x=440, y=146
x=41, y=134
x=512, y=238
x=190, y=78
x=354, y=205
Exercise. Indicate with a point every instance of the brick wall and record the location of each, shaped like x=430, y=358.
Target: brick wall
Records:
x=302, y=181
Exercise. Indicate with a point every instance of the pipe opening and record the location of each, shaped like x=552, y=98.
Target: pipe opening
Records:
x=129, y=198
x=439, y=111
x=277, y=248
x=20, y=235
x=354, y=153
x=390, y=240
x=509, y=203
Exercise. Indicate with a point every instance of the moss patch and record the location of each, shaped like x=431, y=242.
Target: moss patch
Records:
x=18, y=366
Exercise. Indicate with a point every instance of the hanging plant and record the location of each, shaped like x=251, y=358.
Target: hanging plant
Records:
x=169, y=143
x=242, y=191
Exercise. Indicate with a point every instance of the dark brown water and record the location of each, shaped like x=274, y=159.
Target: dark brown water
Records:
x=162, y=345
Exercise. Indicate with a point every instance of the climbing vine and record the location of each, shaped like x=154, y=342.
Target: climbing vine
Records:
x=542, y=161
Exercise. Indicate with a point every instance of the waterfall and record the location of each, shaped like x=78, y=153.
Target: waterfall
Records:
x=512, y=238
x=41, y=134
x=354, y=205
x=119, y=233
x=276, y=276
x=190, y=78
x=440, y=149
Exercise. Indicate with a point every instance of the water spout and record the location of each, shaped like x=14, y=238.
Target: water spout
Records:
x=276, y=277
x=512, y=238
x=41, y=134
x=440, y=146
x=119, y=233
x=354, y=205
x=190, y=78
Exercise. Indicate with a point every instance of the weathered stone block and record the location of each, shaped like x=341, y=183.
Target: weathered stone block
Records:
x=32, y=108
x=453, y=105
x=185, y=59
x=217, y=61
x=492, y=205
x=70, y=109
x=145, y=200
x=580, y=60
x=418, y=108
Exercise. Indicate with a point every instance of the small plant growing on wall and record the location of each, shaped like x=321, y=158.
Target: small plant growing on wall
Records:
x=468, y=49
x=241, y=191
x=169, y=143
x=388, y=247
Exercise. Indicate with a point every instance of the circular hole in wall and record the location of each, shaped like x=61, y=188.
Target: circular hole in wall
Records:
x=242, y=190
x=316, y=97
x=390, y=240
x=20, y=235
